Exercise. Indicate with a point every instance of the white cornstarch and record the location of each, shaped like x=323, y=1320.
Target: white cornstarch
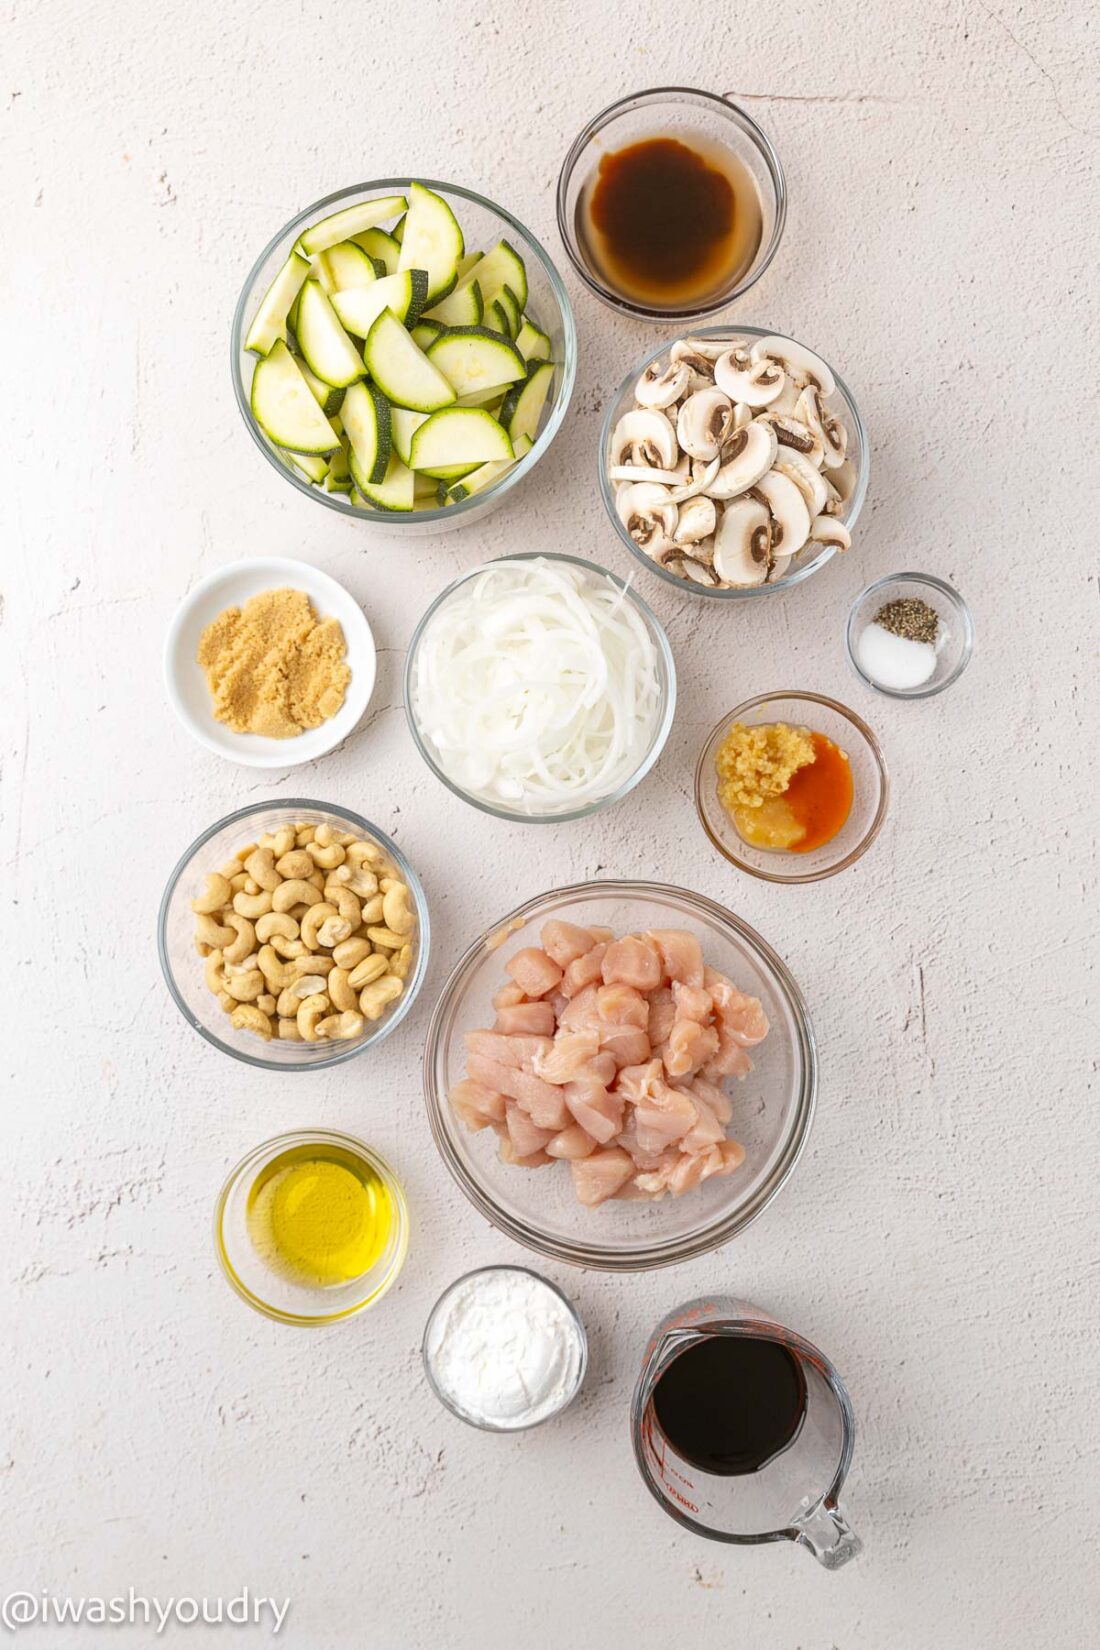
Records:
x=504, y=1348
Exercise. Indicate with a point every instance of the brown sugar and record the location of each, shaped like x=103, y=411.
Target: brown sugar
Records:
x=273, y=667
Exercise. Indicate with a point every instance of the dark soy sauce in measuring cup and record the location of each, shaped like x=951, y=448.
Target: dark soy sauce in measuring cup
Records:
x=729, y=1405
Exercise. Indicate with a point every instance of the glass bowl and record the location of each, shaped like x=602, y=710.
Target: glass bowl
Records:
x=807, y=561
x=772, y=1108
x=955, y=638
x=278, y=1297
x=665, y=664
x=483, y=223
x=673, y=111
x=183, y=967
x=451, y=1404
x=870, y=783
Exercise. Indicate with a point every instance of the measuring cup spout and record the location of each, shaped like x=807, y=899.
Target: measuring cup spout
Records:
x=824, y=1531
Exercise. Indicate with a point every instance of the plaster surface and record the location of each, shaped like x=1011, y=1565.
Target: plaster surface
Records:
x=939, y=1236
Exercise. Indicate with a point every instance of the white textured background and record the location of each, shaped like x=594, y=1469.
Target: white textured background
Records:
x=939, y=1237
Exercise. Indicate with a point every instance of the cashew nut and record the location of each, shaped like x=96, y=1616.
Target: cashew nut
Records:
x=310, y=1013
x=282, y=842
x=239, y=881
x=225, y=1002
x=252, y=905
x=277, y=974
x=245, y=987
x=374, y=1000
x=333, y=930
x=395, y=909
x=215, y=897
x=326, y=857
x=288, y=1031
x=214, y=972
x=372, y=909
x=350, y=952
x=341, y=993
x=364, y=853
x=261, y=868
x=296, y=863
x=311, y=963
x=365, y=973
x=245, y=942
x=211, y=932
x=384, y=938
x=288, y=1003
x=295, y=891
x=346, y=904
x=276, y=922
x=266, y=1003
x=402, y=962
x=341, y=1026
x=248, y=1017
x=287, y=948
x=361, y=881
x=304, y=834
x=309, y=985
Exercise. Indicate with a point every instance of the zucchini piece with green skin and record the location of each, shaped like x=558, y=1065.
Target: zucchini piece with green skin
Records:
x=327, y=349
x=475, y=358
x=499, y=268
x=398, y=230
x=447, y=474
x=484, y=475
x=456, y=436
x=403, y=372
x=467, y=262
x=338, y=479
x=431, y=240
x=328, y=398
x=486, y=397
x=508, y=302
x=366, y=416
x=425, y=490
x=523, y=405
x=352, y=220
x=285, y=408
x=462, y=308
x=404, y=293
x=394, y=492
x=270, y=320
x=425, y=333
x=532, y=344
x=310, y=466
x=344, y=266
x=496, y=319
x=402, y=424
x=381, y=248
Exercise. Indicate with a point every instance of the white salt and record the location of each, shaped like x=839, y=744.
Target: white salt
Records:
x=894, y=661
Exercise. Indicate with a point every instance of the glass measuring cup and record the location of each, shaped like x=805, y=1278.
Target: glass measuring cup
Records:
x=793, y=1497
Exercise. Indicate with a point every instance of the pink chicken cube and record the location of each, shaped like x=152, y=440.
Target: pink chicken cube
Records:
x=621, y=1005
x=543, y=1103
x=681, y=955
x=564, y=942
x=595, y=1108
x=705, y=1132
x=571, y=1143
x=742, y=1016
x=536, y=1160
x=526, y=1137
x=583, y=971
x=662, y=1016
x=567, y=1056
x=525, y=1019
x=508, y=996
x=692, y=1003
x=690, y=1046
x=581, y=1013
x=599, y=1176
x=715, y=1098
x=520, y=1052
x=634, y=961
x=534, y=972
x=477, y=1106
x=628, y=1045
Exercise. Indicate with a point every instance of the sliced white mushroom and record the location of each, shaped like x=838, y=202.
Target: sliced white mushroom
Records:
x=842, y=477
x=646, y=472
x=758, y=383
x=700, y=366
x=645, y=436
x=796, y=359
x=786, y=402
x=742, y=543
x=697, y=521
x=692, y=568
x=790, y=517
x=792, y=433
x=704, y=421
x=648, y=515
x=806, y=477
x=824, y=426
x=827, y=530
x=701, y=477
x=743, y=414
x=659, y=386
x=708, y=349
x=745, y=457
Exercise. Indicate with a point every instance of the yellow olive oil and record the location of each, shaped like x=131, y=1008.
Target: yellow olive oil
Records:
x=320, y=1215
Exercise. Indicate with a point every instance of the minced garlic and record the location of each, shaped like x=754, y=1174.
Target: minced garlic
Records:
x=759, y=762
x=273, y=667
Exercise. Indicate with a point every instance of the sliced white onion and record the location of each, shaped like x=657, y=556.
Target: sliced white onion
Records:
x=536, y=686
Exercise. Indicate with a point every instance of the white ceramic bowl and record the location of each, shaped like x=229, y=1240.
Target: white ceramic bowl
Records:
x=232, y=586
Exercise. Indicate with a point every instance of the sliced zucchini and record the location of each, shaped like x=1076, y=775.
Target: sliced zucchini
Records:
x=401, y=370
x=345, y=265
x=484, y=398
x=425, y=333
x=459, y=309
x=431, y=240
x=352, y=220
x=338, y=479
x=395, y=491
x=447, y=474
x=499, y=268
x=425, y=492
x=366, y=418
x=404, y=293
x=496, y=319
x=271, y=317
x=467, y=262
x=284, y=407
x=323, y=342
x=509, y=303
x=475, y=358
x=403, y=421
x=381, y=248
x=523, y=406
x=532, y=344
x=328, y=398
x=398, y=230
x=310, y=466
x=456, y=436
x=485, y=474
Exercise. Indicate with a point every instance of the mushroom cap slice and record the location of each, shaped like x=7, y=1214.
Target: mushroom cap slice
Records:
x=824, y=427
x=697, y=521
x=648, y=515
x=797, y=360
x=758, y=383
x=792, y=433
x=659, y=386
x=647, y=472
x=645, y=436
x=806, y=477
x=691, y=568
x=789, y=512
x=702, y=474
x=742, y=543
x=746, y=456
x=704, y=421
x=827, y=530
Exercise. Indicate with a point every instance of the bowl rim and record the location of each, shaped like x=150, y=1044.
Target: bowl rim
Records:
x=959, y=605
x=270, y=1148
x=756, y=134
x=877, y=758
x=385, y=1026
x=648, y=1256
x=664, y=647
x=289, y=568
x=567, y=367
x=737, y=592
x=491, y=1426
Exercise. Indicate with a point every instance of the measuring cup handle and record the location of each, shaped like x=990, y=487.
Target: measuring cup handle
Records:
x=824, y=1531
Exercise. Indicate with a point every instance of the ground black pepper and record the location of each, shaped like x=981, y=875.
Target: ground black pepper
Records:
x=908, y=616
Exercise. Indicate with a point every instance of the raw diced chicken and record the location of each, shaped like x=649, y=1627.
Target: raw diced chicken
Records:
x=628, y=1045
x=595, y=1108
x=636, y=1082
x=543, y=1103
x=689, y=1172
x=706, y=1131
x=558, y=1001
x=567, y=1056
x=564, y=941
x=534, y=972
x=571, y=1143
x=741, y=1015
x=525, y=1019
x=632, y=961
x=690, y=1046
x=582, y=1012
x=665, y=1115
x=521, y=1052
x=477, y=1106
x=681, y=955
x=692, y=1003
x=621, y=1005
x=598, y=1177
x=731, y=1060
x=508, y=996
x=526, y=1137
x=583, y=971
x=662, y=1015
x=602, y=936
x=716, y=1098
x=537, y=1160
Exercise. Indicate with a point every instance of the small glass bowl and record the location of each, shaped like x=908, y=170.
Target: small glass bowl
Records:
x=280, y=1298
x=666, y=666
x=772, y=1108
x=807, y=561
x=676, y=111
x=870, y=783
x=183, y=967
x=955, y=639
x=483, y=223
x=491, y=1426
